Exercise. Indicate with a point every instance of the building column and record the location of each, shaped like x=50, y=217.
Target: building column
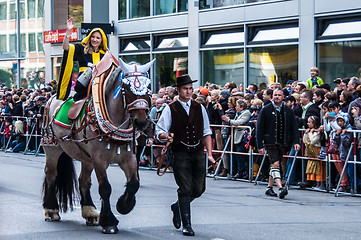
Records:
x=113, y=18
x=307, y=47
x=194, y=39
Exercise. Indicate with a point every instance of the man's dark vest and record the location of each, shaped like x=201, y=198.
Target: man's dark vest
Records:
x=188, y=130
x=280, y=124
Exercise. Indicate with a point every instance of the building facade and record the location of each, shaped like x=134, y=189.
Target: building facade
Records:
x=217, y=41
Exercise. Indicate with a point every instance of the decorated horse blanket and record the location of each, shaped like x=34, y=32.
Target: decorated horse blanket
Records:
x=61, y=117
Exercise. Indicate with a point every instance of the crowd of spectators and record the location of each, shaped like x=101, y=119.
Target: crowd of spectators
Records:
x=20, y=110
x=324, y=117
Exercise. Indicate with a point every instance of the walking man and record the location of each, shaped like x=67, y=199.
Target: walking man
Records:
x=185, y=124
x=277, y=131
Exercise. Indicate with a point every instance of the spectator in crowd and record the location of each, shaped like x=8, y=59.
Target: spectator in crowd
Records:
x=352, y=86
x=153, y=110
x=308, y=109
x=345, y=100
x=314, y=79
x=161, y=92
x=355, y=104
x=6, y=130
x=18, y=106
x=230, y=86
x=241, y=119
x=9, y=104
x=300, y=88
x=19, y=140
x=267, y=96
x=315, y=169
x=215, y=111
x=318, y=97
x=252, y=88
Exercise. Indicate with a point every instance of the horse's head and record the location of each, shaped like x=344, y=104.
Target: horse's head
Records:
x=135, y=84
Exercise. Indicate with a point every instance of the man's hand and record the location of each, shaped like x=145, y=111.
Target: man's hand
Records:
x=150, y=142
x=225, y=118
x=262, y=151
x=297, y=147
x=167, y=137
x=211, y=159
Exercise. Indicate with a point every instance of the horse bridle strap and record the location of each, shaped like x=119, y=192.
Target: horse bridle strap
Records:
x=138, y=104
x=161, y=160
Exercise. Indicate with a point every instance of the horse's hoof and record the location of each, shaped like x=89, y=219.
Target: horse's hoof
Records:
x=110, y=230
x=92, y=221
x=124, y=207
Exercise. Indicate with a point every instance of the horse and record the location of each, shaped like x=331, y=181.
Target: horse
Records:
x=115, y=115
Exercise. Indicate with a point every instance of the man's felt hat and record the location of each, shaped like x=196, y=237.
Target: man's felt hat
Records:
x=183, y=80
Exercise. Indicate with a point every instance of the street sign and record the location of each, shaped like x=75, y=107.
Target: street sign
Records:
x=87, y=27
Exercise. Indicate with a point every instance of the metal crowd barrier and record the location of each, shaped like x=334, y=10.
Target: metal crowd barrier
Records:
x=31, y=126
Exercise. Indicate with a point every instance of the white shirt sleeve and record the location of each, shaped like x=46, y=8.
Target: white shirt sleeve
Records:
x=206, y=128
x=164, y=122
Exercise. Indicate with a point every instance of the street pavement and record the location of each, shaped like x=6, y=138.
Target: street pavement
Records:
x=227, y=210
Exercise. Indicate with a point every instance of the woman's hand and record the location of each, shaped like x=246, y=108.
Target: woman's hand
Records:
x=70, y=24
x=355, y=110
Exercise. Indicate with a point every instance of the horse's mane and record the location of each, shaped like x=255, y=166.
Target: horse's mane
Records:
x=114, y=77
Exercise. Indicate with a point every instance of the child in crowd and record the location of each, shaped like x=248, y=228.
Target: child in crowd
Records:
x=6, y=132
x=312, y=139
x=344, y=139
x=19, y=142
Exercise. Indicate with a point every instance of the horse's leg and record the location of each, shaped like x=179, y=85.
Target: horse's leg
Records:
x=107, y=219
x=89, y=212
x=50, y=201
x=126, y=202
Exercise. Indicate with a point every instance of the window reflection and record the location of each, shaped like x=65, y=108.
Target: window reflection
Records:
x=339, y=59
x=32, y=72
x=225, y=38
x=179, y=42
x=276, y=34
x=164, y=7
x=272, y=64
x=137, y=44
x=168, y=66
x=222, y=66
x=343, y=28
x=139, y=8
x=8, y=72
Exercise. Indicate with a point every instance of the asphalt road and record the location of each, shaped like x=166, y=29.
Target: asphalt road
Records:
x=227, y=210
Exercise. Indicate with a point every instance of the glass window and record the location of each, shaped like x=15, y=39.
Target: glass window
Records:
x=64, y=9
x=164, y=42
x=31, y=9
x=276, y=34
x=122, y=9
x=12, y=43
x=344, y=28
x=8, y=71
x=32, y=42
x=2, y=43
x=22, y=9
x=3, y=11
x=182, y=5
x=139, y=8
x=168, y=66
x=40, y=42
x=141, y=59
x=234, y=37
x=23, y=42
x=135, y=44
x=32, y=73
x=339, y=60
x=165, y=6
x=272, y=64
x=222, y=66
x=40, y=8
x=12, y=11
x=218, y=3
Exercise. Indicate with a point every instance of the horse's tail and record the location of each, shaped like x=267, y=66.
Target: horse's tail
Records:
x=65, y=183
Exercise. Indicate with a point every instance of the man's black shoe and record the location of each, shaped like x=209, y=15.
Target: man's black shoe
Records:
x=282, y=193
x=306, y=184
x=188, y=231
x=270, y=192
x=176, y=216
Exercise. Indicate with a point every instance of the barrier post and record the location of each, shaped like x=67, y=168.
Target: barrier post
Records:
x=343, y=170
x=220, y=161
x=291, y=169
x=260, y=168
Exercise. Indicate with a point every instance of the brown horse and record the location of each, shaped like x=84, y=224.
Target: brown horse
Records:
x=116, y=115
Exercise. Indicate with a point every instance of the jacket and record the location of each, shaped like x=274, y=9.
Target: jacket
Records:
x=240, y=120
x=309, y=82
x=354, y=103
x=266, y=130
x=312, y=110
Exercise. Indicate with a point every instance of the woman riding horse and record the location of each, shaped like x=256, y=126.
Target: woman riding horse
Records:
x=115, y=116
x=89, y=52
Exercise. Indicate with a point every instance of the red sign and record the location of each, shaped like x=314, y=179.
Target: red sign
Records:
x=57, y=36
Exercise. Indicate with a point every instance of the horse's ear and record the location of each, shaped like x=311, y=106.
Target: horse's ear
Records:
x=124, y=66
x=145, y=67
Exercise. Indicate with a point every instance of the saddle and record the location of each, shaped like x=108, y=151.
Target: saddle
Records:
x=75, y=109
